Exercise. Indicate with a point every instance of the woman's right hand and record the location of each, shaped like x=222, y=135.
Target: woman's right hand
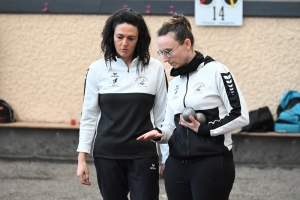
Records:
x=82, y=169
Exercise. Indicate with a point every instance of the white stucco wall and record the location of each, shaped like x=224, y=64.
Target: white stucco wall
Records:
x=43, y=60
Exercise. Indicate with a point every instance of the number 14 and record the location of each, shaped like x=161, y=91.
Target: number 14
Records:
x=221, y=13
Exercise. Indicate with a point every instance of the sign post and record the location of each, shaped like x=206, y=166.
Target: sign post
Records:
x=219, y=12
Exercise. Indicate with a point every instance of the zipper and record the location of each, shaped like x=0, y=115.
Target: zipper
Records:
x=187, y=142
x=186, y=87
x=187, y=130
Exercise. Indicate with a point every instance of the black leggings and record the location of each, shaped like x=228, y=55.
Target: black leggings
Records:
x=210, y=178
x=118, y=177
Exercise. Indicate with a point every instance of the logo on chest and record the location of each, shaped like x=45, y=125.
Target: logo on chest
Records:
x=175, y=93
x=198, y=88
x=141, y=81
x=114, y=78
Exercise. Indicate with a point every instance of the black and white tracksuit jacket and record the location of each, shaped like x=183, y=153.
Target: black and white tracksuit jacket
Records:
x=211, y=90
x=121, y=104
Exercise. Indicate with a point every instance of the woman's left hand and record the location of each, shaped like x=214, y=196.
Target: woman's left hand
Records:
x=194, y=125
x=151, y=135
x=162, y=171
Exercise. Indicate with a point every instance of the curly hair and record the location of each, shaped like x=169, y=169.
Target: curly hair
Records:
x=142, y=47
x=180, y=25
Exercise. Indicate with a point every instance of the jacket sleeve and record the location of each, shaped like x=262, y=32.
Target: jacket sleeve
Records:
x=236, y=109
x=160, y=101
x=90, y=112
x=164, y=152
x=168, y=125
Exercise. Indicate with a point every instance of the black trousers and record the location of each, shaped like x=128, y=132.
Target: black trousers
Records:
x=210, y=178
x=116, y=178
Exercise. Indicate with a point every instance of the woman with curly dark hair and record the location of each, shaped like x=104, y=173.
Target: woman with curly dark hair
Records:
x=141, y=50
x=125, y=96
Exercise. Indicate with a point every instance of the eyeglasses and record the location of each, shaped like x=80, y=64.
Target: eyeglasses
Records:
x=168, y=53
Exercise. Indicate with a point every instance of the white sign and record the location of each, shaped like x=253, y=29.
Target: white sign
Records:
x=219, y=12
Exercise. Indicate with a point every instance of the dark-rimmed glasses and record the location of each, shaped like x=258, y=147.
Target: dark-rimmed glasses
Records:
x=168, y=53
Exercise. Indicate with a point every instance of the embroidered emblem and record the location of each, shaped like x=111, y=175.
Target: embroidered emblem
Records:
x=115, y=78
x=198, y=87
x=141, y=81
x=114, y=74
x=175, y=92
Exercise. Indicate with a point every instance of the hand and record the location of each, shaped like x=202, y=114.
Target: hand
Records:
x=82, y=170
x=151, y=135
x=162, y=171
x=194, y=125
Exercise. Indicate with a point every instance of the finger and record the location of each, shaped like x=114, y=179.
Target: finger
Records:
x=87, y=183
x=181, y=118
x=195, y=121
x=140, y=138
x=87, y=177
x=162, y=171
x=150, y=136
x=84, y=181
x=161, y=174
x=81, y=179
x=182, y=121
x=145, y=137
x=192, y=119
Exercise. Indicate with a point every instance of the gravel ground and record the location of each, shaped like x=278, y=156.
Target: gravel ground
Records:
x=39, y=180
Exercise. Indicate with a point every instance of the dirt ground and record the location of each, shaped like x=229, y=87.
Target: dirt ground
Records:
x=45, y=180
